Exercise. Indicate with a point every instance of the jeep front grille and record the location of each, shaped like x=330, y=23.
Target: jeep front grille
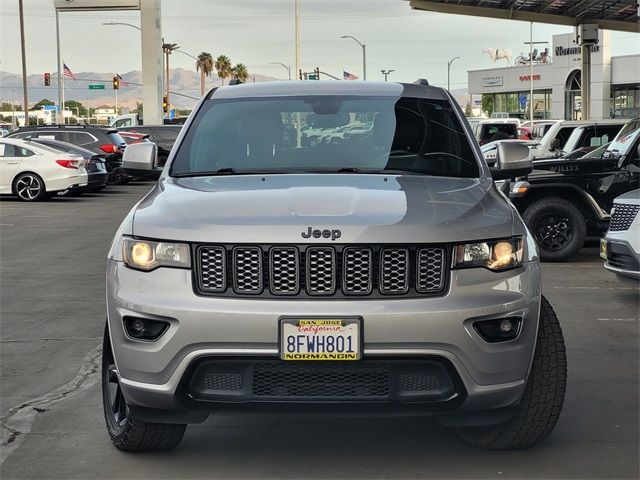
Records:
x=317, y=271
x=623, y=216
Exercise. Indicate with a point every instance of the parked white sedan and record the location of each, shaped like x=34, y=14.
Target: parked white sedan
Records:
x=33, y=171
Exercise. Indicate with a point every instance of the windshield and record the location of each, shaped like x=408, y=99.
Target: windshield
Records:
x=326, y=134
x=621, y=144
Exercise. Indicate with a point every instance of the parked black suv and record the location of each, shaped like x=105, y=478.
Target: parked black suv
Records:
x=562, y=201
x=101, y=140
x=164, y=136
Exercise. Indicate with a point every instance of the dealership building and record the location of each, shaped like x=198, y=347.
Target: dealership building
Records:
x=615, y=82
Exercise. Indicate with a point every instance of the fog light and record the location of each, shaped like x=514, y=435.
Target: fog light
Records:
x=506, y=326
x=137, y=326
x=499, y=329
x=144, y=328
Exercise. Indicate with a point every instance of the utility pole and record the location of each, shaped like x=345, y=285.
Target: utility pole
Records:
x=449, y=72
x=24, y=66
x=167, y=48
x=59, y=59
x=297, y=20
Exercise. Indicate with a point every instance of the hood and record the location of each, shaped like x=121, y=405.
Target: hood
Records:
x=365, y=208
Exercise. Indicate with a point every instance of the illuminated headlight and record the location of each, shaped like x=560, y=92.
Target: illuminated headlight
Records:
x=148, y=255
x=495, y=255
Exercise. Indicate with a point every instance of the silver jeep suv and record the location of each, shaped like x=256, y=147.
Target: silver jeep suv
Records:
x=382, y=272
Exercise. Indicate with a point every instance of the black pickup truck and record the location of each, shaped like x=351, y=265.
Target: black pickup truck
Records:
x=564, y=201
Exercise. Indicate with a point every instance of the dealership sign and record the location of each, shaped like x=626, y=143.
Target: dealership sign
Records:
x=561, y=51
x=524, y=78
x=492, y=81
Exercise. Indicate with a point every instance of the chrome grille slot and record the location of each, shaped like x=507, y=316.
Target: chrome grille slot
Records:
x=308, y=271
x=357, y=271
x=212, y=269
x=247, y=269
x=321, y=271
x=284, y=266
x=430, y=270
x=623, y=216
x=394, y=270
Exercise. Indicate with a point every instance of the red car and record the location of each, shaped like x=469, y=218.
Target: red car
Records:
x=134, y=137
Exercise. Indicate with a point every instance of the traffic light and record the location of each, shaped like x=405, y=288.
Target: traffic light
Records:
x=300, y=74
x=47, y=79
x=116, y=83
x=165, y=104
x=317, y=72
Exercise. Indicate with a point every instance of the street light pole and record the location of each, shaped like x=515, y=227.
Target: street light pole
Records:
x=386, y=73
x=364, y=54
x=449, y=72
x=285, y=66
x=24, y=66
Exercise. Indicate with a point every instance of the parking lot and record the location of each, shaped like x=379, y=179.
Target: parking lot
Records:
x=52, y=275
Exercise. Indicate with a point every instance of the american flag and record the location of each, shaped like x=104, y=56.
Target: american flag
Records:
x=122, y=82
x=349, y=76
x=68, y=73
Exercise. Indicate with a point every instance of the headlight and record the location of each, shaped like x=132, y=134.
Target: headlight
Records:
x=495, y=255
x=148, y=255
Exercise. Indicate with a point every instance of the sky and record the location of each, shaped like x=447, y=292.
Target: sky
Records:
x=255, y=32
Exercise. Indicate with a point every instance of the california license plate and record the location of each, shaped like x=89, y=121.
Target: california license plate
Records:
x=321, y=338
x=603, y=248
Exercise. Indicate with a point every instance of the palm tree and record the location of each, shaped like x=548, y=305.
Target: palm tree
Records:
x=204, y=65
x=223, y=67
x=239, y=72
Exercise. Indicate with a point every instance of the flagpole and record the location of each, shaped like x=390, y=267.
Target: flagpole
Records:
x=62, y=104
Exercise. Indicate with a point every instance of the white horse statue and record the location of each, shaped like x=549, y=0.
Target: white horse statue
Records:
x=498, y=54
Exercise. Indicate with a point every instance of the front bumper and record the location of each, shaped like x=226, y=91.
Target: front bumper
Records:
x=621, y=259
x=491, y=375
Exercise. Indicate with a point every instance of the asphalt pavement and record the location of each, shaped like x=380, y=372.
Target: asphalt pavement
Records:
x=51, y=322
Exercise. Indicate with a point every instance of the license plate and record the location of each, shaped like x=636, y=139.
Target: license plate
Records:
x=603, y=248
x=320, y=339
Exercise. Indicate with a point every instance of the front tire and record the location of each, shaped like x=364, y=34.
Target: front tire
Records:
x=126, y=432
x=558, y=226
x=29, y=187
x=540, y=406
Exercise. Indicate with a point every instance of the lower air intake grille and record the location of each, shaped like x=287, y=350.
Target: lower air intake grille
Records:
x=332, y=380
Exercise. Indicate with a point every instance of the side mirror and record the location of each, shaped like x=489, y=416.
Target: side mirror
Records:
x=140, y=156
x=512, y=160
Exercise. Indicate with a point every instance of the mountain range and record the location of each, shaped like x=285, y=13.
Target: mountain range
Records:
x=185, y=84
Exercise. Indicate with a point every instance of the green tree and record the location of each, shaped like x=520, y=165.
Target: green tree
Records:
x=138, y=108
x=76, y=107
x=468, y=111
x=42, y=103
x=8, y=107
x=204, y=65
x=487, y=103
x=239, y=72
x=223, y=67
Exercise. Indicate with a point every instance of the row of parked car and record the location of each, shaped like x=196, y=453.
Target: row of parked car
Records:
x=580, y=168
x=41, y=161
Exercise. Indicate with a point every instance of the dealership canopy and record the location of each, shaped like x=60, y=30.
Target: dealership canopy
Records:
x=607, y=14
